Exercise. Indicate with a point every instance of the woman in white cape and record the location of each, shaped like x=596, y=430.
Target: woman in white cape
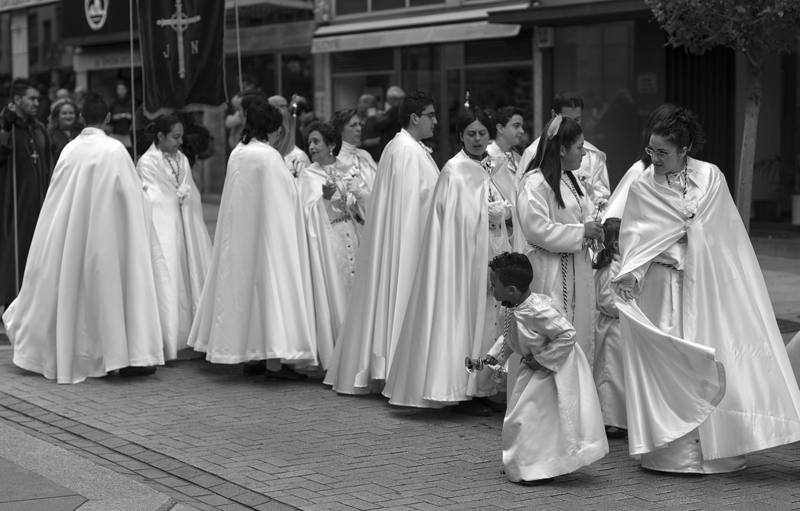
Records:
x=334, y=196
x=452, y=314
x=181, y=231
x=257, y=302
x=348, y=123
x=706, y=373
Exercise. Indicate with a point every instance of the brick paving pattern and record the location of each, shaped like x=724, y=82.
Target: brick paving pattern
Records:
x=214, y=439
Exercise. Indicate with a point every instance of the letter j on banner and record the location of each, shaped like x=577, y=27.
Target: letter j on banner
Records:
x=181, y=43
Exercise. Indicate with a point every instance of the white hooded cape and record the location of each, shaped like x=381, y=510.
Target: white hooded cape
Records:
x=184, y=241
x=332, y=248
x=88, y=304
x=257, y=302
x=727, y=320
x=386, y=264
x=447, y=313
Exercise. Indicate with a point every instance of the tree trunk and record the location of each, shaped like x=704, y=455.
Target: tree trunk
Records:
x=744, y=189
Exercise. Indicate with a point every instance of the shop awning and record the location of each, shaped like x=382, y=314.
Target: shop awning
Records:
x=412, y=36
x=292, y=4
x=601, y=11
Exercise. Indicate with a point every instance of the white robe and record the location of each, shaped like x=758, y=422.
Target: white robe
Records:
x=555, y=239
x=88, y=304
x=360, y=160
x=257, y=302
x=332, y=247
x=616, y=204
x=507, y=173
x=553, y=423
x=593, y=173
x=184, y=241
x=451, y=314
x=609, y=375
x=386, y=264
x=714, y=339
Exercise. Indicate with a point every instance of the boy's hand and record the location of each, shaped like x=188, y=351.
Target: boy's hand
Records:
x=532, y=364
x=490, y=360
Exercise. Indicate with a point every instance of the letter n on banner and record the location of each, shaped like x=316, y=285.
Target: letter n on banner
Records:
x=183, y=56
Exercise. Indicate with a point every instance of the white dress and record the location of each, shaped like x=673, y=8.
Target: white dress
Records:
x=707, y=377
x=89, y=303
x=258, y=303
x=387, y=261
x=334, y=228
x=451, y=314
x=609, y=375
x=553, y=423
x=184, y=240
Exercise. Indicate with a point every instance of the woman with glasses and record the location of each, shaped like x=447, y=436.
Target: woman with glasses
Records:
x=452, y=313
x=334, y=196
x=557, y=218
x=706, y=373
x=616, y=203
x=348, y=123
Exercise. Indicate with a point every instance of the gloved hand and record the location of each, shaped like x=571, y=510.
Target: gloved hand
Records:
x=498, y=211
x=352, y=187
x=9, y=117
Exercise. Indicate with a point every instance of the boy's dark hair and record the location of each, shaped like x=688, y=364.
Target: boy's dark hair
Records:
x=94, y=109
x=503, y=116
x=513, y=269
x=20, y=86
x=414, y=103
x=567, y=99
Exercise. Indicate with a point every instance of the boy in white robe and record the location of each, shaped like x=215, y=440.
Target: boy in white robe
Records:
x=553, y=423
x=88, y=304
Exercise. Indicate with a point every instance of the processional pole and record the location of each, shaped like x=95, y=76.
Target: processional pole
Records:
x=14, y=194
x=133, y=85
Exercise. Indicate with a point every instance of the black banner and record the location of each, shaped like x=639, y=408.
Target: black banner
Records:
x=182, y=45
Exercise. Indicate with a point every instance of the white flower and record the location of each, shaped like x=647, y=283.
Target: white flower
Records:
x=184, y=191
x=601, y=204
x=488, y=164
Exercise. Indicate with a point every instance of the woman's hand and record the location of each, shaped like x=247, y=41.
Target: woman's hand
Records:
x=328, y=189
x=352, y=187
x=625, y=287
x=593, y=230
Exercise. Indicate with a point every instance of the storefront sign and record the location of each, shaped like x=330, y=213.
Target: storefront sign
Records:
x=10, y=5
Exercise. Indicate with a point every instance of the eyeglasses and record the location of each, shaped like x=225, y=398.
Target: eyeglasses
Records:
x=660, y=154
x=430, y=115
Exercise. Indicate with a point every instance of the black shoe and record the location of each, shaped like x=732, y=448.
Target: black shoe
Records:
x=616, y=433
x=535, y=482
x=127, y=372
x=250, y=369
x=494, y=406
x=284, y=373
x=472, y=409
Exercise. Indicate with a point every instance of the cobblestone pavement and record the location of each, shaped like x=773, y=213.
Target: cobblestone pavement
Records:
x=214, y=439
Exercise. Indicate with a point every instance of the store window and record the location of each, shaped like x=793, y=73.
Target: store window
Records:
x=257, y=71
x=361, y=72
x=344, y=7
x=297, y=76
x=597, y=61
